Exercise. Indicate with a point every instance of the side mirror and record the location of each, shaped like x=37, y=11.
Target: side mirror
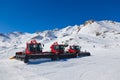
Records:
x=43, y=45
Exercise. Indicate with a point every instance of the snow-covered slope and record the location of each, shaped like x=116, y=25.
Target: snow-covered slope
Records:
x=101, y=38
x=90, y=32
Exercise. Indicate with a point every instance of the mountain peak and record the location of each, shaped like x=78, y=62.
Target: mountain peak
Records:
x=89, y=22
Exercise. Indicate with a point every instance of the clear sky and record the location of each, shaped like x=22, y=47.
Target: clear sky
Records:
x=38, y=15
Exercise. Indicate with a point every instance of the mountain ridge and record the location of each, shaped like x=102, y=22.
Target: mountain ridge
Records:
x=88, y=32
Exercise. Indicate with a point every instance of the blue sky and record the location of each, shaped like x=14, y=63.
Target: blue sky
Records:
x=38, y=15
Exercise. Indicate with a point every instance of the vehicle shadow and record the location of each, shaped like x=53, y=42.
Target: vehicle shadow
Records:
x=40, y=61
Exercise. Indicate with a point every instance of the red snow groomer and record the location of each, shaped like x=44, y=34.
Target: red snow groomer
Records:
x=76, y=49
x=34, y=51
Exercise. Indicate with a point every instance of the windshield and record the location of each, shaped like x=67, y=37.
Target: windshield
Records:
x=59, y=47
x=35, y=47
x=75, y=47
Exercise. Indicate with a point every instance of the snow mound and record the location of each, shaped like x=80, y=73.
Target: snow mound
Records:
x=97, y=28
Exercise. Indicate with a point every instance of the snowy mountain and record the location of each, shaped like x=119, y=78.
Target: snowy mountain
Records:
x=4, y=38
x=100, y=38
x=90, y=32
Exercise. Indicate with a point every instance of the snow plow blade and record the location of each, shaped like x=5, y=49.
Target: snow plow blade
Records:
x=13, y=57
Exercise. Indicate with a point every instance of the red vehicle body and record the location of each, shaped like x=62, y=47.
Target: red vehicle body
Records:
x=57, y=48
x=74, y=49
x=33, y=47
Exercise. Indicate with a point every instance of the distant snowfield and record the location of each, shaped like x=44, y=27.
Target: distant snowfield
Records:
x=102, y=65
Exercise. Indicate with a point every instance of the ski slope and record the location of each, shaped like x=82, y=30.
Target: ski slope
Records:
x=102, y=65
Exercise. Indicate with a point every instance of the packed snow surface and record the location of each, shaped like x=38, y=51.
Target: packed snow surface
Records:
x=100, y=38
